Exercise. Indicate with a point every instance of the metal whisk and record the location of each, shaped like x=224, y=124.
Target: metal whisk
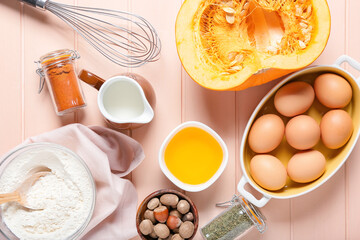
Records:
x=124, y=38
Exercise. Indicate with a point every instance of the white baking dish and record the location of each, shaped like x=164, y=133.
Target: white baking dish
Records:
x=335, y=158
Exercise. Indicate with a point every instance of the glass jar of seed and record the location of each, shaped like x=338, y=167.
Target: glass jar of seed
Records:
x=234, y=222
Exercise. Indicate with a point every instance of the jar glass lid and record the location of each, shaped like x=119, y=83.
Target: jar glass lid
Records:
x=58, y=55
x=254, y=214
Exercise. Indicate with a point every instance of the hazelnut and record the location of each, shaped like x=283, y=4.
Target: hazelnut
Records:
x=183, y=206
x=161, y=214
x=146, y=227
x=153, y=203
x=153, y=234
x=186, y=229
x=173, y=222
x=148, y=214
x=176, y=237
x=175, y=213
x=169, y=237
x=161, y=230
x=188, y=217
x=169, y=199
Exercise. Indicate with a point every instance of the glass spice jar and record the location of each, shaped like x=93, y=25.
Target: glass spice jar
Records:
x=235, y=222
x=58, y=70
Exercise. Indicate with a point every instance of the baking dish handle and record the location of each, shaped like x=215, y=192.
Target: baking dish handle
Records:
x=248, y=196
x=352, y=62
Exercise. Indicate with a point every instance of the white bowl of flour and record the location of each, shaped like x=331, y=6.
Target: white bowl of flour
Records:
x=66, y=195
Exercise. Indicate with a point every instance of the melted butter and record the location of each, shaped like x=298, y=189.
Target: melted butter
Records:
x=193, y=156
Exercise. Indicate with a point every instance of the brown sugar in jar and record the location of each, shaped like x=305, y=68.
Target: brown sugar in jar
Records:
x=58, y=69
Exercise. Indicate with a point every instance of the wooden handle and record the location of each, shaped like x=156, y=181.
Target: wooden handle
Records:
x=10, y=197
x=91, y=79
x=30, y=2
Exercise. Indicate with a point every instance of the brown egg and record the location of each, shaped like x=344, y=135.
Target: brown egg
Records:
x=294, y=98
x=306, y=166
x=336, y=128
x=268, y=172
x=266, y=133
x=302, y=132
x=332, y=90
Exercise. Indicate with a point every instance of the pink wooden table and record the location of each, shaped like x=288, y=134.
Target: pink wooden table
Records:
x=330, y=212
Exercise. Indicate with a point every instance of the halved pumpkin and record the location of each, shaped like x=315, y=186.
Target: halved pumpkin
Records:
x=236, y=44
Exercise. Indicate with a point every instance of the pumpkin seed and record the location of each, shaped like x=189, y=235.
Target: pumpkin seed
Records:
x=308, y=12
x=305, y=31
x=298, y=11
x=229, y=10
x=243, y=13
x=236, y=68
x=246, y=6
x=302, y=45
x=303, y=25
x=305, y=21
x=224, y=73
x=232, y=55
x=307, y=38
x=239, y=58
x=233, y=63
x=230, y=18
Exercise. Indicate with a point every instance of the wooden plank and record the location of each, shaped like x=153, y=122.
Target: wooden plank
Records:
x=321, y=213
x=94, y=62
x=353, y=164
x=336, y=44
x=11, y=75
x=43, y=33
x=277, y=212
x=165, y=77
x=217, y=110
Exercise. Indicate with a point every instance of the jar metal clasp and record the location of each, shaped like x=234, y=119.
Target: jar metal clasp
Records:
x=235, y=199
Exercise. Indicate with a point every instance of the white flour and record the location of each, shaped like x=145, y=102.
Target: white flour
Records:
x=65, y=195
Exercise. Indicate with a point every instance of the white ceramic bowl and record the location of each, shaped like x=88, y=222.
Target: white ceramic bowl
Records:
x=19, y=152
x=172, y=178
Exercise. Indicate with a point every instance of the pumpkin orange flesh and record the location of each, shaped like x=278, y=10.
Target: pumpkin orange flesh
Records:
x=236, y=44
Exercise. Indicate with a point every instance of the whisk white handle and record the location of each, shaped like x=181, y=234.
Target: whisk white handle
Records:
x=35, y=3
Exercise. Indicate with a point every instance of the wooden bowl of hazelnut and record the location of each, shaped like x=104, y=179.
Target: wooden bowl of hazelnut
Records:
x=167, y=214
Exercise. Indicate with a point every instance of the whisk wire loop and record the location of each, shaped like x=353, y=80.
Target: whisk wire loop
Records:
x=128, y=40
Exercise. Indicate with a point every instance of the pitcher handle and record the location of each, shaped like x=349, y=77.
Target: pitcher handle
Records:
x=352, y=62
x=91, y=79
x=248, y=196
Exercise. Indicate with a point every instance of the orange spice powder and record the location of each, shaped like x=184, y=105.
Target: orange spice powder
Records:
x=64, y=85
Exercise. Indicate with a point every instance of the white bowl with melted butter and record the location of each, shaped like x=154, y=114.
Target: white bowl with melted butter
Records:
x=193, y=156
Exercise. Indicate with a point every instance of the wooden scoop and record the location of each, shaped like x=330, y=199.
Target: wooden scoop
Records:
x=19, y=195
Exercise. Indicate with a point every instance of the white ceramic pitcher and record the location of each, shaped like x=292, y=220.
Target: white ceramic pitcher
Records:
x=126, y=101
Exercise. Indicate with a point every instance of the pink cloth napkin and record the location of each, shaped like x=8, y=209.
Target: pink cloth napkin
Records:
x=109, y=155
